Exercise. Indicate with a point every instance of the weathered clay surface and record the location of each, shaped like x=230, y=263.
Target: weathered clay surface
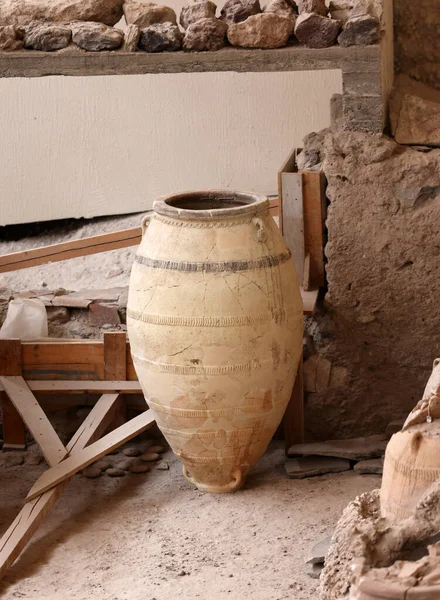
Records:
x=194, y=10
x=417, y=40
x=161, y=37
x=312, y=6
x=354, y=449
x=376, y=185
x=428, y=408
x=316, y=31
x=206, y=34
x=217, y=373
x=282, y=9
x=360, y=31
x=95, y=37
x=144, y=14
x=47, y=36
x=131, y=38
x=23, y=12
x=266, y=30
x=236, y=11
x=310, y=466
x=11, y=38
x=415, y=112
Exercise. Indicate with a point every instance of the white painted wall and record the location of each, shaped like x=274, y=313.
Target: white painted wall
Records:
x=82, y=147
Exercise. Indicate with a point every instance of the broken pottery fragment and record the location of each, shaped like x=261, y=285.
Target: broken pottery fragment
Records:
x=144, y=14
x=310, y=466
x=131, y=39
x=11, y=38
x=372, y=466
x=236, y=11
x=282, y=9
x=316, y=31
x=265, y=30
x=312, y=6
x=160, y=37
x=96, y=37
x=319, y=551
x=195, y=10
x=360, y=31
x=206, y=34
x=47, y=37
x=23, y=12
x=352, y=449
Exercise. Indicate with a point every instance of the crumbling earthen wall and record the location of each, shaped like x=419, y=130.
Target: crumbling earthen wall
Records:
x=417, y=39
x=371, y=349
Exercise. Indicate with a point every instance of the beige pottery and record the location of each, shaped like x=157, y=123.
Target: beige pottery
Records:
x=411, y=466
x=215, y=325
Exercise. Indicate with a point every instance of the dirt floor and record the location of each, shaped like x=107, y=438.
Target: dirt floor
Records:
x=153, y=536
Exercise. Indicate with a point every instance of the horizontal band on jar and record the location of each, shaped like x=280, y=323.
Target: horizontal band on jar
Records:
x=200, y=370
x=189, y=413
x=263, y=262
x=212, y=435
x=278, y=315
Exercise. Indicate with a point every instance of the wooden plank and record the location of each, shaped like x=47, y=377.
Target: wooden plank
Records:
x=73, y=249
x=309, y=301
x=32, y=514
x=92, y=387
x=314, y=215
x=14, y=435
x=115, y=359
x=83, y=458
x=294, y=415
x=35, y=418
x=290, y=58
x=293, y=218
x=61, y=353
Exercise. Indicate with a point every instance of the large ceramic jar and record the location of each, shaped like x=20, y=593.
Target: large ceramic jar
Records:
x=215, y=325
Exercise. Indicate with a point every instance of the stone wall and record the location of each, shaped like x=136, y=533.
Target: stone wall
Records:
x=417, y=39
x=370, y=350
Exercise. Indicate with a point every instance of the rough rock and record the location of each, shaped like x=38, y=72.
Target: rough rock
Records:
x=282, y=9
x=101, y=314
x=131, y=451
x=113, y=472
x=360, y=31
x=92, y=472
x=376, y=185
x=47, y=37
x=336, y=111
x=319, y=551
x=139, y=468
x=316, y=31
x=236, y=11
x=150, y=456
x=23, y=12
x=352, y=449
x=157, y=449
x=373, y=466
x=194, y=10
x=124, y=464
x=144, y=14
x=265, y=30
x=310, y=466
x=163, y=466
x=308, y=160
x=96, y=37
x=415, y=113
x=206, y=34
x=58, y=315
x=161, y=37
x=34, y=457
x=131, y=40
x=11, y=38
x=11, y=459
x=342, y=10
x=312, y=6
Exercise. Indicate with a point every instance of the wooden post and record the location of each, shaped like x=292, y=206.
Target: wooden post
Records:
x=294, y=415
x=115, y=369
x=14, y=436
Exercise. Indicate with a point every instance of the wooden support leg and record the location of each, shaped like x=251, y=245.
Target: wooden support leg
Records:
x=14, y=437
x=294, y=415
x=115, y=369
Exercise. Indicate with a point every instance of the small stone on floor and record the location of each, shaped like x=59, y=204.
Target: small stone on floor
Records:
x=309, y=466
x=132, y=451
x=139, y=468
x=374, y=466
x=157, y=449
x=163, y=466
x=150, y=456
x=115, y=472
x=92, y=472
x=103, y=465
x=319, y=551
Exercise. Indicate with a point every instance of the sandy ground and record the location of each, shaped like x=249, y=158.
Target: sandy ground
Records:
x=153, y=536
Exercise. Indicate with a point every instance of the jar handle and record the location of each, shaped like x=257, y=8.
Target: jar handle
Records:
x=261, y=235
x=145, y=222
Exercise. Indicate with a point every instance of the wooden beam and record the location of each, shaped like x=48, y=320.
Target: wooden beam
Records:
x=34, y=417
x=294, y=415
x=314, y=206
x=83, y=458
x=14, y=435
x=115, y=367
x=92, y=387
x=32, y=514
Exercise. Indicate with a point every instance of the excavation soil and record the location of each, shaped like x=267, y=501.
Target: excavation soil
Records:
x=153, y=536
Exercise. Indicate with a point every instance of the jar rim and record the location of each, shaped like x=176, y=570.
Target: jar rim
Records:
x=210, y=204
